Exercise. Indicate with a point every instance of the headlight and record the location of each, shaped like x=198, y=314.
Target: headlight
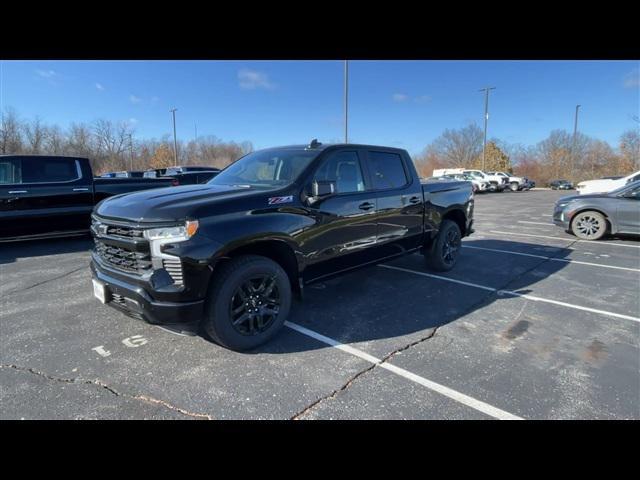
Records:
x=174, y=234
x=562, y=204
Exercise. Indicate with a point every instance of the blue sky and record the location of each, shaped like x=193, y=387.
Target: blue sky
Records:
x=399, y=103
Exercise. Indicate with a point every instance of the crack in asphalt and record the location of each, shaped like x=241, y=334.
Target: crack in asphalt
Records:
x=349, y=382
x=389, y=356
x=80, y=381
x=21, y=289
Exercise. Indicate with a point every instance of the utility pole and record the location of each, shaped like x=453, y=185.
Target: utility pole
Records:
x=486, y=119
x=346, y=100
x=195, y=126
x=575, y=138
x=130, y=153
x=175, y=141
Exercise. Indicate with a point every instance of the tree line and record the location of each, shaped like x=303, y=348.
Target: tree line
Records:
x=112, y=146
x=559, y=156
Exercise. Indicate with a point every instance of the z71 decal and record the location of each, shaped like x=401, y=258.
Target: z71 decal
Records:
x=278, y=200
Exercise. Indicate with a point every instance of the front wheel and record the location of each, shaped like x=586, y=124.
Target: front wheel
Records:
x=513, y=186
x=248, y=302
x=445, y=250
x=589, y=225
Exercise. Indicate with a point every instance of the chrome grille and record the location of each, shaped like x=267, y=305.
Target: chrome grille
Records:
x=123, y=259
x=127, y=232
x=174, y=269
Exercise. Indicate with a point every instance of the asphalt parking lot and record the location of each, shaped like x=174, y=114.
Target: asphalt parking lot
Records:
x=531, y=324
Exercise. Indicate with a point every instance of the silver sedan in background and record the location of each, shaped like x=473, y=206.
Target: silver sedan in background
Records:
x=591, y=216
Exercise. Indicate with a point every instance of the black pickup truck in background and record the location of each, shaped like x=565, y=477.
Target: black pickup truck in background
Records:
x=231, y=253
x=51, y=196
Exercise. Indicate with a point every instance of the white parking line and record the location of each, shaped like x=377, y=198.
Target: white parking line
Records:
x=553, y=259
x=567, y=239
x=516, y=294
x=436, y=387
x=538, y=223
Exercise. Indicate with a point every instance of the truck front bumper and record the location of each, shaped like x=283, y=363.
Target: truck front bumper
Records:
x=134, y=300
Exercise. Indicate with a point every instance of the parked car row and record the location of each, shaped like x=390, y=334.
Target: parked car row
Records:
x=486, y=181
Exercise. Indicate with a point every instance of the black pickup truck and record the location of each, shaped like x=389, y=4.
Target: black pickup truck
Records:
x=234, y=251
x=52, y=196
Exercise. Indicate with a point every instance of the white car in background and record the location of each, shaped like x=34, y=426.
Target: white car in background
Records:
x=514, y=183
x=478, y=185
x=605, y=185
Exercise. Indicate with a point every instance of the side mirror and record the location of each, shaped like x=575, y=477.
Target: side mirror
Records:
x=321, y=189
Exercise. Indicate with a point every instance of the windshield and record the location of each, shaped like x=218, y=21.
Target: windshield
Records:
x=266, y=168
x=628, y=186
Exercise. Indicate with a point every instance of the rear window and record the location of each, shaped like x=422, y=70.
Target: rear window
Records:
x=10, y=171
x=49, y=169
x=387, y=170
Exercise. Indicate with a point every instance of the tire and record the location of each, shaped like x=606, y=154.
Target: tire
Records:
x=513, y=186
x=443, y=254
x=258, y=282
x=589, y=225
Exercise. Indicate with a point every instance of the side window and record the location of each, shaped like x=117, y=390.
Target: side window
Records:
x=344, y=169
x=49, y=169
x=387, y=170
x=10, y=171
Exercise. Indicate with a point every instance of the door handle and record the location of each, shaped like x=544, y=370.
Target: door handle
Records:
x=414, y=200
x=17, y=191
x=366, y=206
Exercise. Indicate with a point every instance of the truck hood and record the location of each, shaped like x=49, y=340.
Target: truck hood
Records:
x=168, y=204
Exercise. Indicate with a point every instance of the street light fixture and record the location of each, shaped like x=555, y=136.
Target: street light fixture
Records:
x=486, y=120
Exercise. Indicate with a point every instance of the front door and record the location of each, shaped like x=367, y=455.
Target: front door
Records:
x=628, y=210
x=345, y=222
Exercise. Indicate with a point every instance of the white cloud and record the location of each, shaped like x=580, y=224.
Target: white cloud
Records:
x=251, y=79
x=403, y=97
x=423, y=99
x=99, y=86
x=132, y=121
x=400, y=97
x=632, y=79
x=46, y=73
x=134, y=99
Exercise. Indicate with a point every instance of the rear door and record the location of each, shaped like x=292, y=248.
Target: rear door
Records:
x=399, y=200
x=55, y=195
x=345, y=222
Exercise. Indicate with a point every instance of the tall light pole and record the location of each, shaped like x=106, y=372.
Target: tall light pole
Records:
x=346, y=100
x=175, y=141
x=130, y=153
x=575, y=138
x=486, y=120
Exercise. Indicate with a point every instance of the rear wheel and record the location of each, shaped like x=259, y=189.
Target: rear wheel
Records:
x=445, y=250
x=248, y=302
x=589, y=225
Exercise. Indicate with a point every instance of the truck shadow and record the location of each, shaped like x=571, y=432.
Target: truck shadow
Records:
x=379, y=303
x=11, y=251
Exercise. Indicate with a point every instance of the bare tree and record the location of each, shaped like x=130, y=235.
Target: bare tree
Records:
x=459, y=148
x=10, y=133
x=36, y=134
